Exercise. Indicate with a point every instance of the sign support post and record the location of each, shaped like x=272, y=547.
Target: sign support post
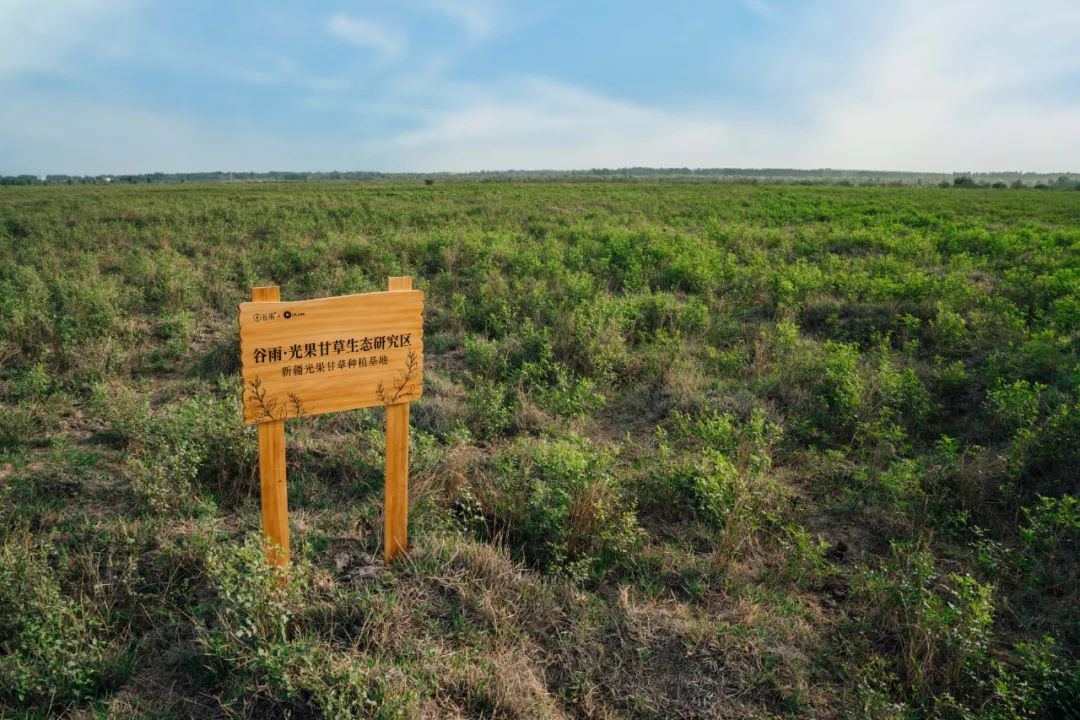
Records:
x=275, y=495
x=396, y=498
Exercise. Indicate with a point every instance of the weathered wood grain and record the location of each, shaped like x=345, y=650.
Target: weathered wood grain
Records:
x=277, y=340
x=396, y=498
x=275, y=496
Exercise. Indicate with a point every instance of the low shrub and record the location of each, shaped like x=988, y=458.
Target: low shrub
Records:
x=713, y=469
x=1055, y=453
x=1014, y=406
x=822, y=382
x=559, y=505
x=199, y=442
x=488, y=409
x=21, y=424
x=935, y=628
x=253, y=639
x=54, y=649
x=1050, y=535
x=1038, y=683
x=558, y=391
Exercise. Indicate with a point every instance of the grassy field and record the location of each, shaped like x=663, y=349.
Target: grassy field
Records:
x=684, y=451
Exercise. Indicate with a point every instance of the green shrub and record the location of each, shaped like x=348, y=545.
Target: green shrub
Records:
x=664, y=312
x=26, y=317
x=34, y=384
x=1050, y=537
x=1015, y=406
x=805, y=556
x=86, y=305
x=1055, y=453
x=163, y=477
x=174, y=332
x=940, y=626
x=222, y=359
x=557, y=390
x=948, y=332
x=253, y=639
x=952, y=384
x=487, y=410
x=820, y=380
x=793, y=282
x=712, y=429
x=710, y=466
x=40, y=491
x=874, y=693
x=560, y=506
x=484, y=357
x=254, y=608
x=201, y=442
x=898, y=393
x=21, y=424
x=1052, y=525
x=841, y=383
x=707, y=486
x=595, y=339
x=54, y=649
x=1040, y=683
x=899, y=487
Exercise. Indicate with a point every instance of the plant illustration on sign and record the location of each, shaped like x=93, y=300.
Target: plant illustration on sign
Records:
x=268, y=409
x=412, y=369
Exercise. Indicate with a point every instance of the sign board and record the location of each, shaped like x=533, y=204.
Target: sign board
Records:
x=317, y=356
x=310, y=357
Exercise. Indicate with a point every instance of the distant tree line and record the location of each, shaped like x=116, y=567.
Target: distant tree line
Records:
x=1061, y=182
x=822, y=176
x=160, y=178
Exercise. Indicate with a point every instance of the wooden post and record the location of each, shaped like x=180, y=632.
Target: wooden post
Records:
x=396, y=497
x=275, y=497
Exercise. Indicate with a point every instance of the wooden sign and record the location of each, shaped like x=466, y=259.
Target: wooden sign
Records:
x=339, y=353
x=310, y=357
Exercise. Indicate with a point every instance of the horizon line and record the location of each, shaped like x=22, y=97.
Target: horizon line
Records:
x=630, y=169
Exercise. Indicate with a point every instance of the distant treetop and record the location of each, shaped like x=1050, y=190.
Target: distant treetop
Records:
x=823, y=176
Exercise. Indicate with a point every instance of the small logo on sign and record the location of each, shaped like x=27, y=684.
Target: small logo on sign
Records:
x=287, y=315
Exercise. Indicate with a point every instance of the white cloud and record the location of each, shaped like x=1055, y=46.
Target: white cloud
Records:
x=478, y=17
x=959, y=85
x=285, y=72
x=759, y=7
x=39, y=36
x=946, y=86
x=952, y=85
x=390, y=43
x=538, y=123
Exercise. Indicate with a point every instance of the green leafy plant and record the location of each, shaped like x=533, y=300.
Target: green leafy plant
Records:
x=941, y=624
x=560, y=505
x=55, y=648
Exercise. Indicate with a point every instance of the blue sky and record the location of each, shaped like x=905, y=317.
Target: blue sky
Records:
x=112, y=86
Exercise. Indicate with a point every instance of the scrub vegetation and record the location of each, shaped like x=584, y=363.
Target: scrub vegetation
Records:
x=683, y=451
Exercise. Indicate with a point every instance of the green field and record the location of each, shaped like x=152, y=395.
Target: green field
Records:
x=684, y=451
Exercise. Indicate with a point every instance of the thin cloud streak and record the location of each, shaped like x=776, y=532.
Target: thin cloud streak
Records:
x=540, y=123
x=367, y=34
x=479, y=18
x=40, y=37
x=759, y=7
